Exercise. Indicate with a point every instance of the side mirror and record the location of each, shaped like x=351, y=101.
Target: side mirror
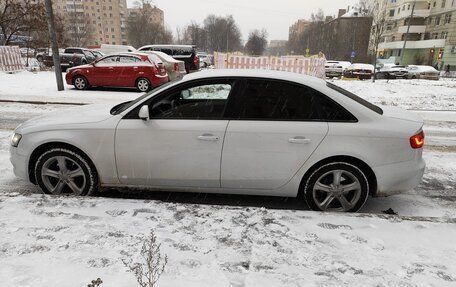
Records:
x=185, y=94
x=144, y=113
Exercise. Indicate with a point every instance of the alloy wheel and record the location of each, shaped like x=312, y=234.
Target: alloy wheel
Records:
x=62, y=175
x=336, y=190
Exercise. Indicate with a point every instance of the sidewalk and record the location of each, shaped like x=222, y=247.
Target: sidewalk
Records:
x=41, y=88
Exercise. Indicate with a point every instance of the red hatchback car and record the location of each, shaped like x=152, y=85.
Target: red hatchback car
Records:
x=141, y=71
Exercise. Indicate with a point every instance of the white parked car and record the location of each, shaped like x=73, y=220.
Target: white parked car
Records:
x=229, y=131
x=335, y=68
x=422, y=72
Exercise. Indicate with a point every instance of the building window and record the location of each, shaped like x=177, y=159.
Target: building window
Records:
x=444, y=35
x=398, y=10
x=448, y=18
x=443, y=3
x=388, y=27
x=408, y=7
x=437, y=20
x=435, y=3
x=394, y=24
x=435, y=35
x=391, y=14
x=393, y=39
x=112, y=29
x=399, y=53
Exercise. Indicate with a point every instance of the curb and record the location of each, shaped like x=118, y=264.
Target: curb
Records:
x=43, y=103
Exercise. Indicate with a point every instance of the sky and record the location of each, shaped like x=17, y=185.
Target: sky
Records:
x=275, y=16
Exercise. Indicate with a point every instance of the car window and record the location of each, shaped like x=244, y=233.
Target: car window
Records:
x=278, y=100
x=108, y=61
x=154, y=59
x=203, y=101
x=165, y=50
x=73, y=51
x=128, y=60
x=182, y=51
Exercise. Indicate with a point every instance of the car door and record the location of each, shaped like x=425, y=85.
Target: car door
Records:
x=272, y=134
x=130, y=68
x=104, y=72
x=181, y=144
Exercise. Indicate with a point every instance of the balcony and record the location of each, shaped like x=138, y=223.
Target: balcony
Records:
x=419, y=13
x=413, y=29
x=422, y=44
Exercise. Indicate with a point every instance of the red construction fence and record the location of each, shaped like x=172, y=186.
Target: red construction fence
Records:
x=10, y=59
x=313, y=65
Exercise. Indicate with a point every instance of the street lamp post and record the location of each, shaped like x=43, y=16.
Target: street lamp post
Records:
x=406, y=34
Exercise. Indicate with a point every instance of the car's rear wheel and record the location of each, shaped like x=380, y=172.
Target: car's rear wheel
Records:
x=143, y=85
x=336, y=187
x=62, y=171
x=80, y=83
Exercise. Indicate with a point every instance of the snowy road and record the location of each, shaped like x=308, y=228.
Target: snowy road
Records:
x=218, y=240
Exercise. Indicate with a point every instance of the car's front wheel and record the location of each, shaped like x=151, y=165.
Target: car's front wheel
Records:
x=336, y=186
x=62, y=171
x=80, y=83
x=143, y=85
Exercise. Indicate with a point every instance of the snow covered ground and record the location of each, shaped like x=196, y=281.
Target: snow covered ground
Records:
x=214, y=240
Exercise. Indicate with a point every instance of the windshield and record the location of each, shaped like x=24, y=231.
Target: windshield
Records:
x=357, y=99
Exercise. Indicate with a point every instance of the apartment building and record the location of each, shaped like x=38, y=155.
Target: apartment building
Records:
x=156, y=15
x=432, y=33
x=297, y=29
x=97, y=21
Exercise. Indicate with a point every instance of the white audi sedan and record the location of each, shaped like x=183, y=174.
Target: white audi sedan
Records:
x=229, y=131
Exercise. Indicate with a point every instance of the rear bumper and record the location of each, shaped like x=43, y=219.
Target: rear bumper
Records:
x=399, y=177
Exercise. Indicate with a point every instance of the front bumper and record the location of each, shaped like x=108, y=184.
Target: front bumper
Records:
x=19, y=163
x=399, y=177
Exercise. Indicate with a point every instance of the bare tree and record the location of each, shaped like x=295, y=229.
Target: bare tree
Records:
x=151, y=265
x=378, y=28
x=195, y=34
x=222, y=33
x=80, y=29
x=256, y=44
x=16, y=16
x=143, y=30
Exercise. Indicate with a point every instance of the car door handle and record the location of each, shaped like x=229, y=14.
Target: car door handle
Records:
x=208, y=137
x=299, y=140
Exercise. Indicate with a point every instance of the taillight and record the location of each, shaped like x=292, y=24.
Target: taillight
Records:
x=195, y=60
x=417, y=141
x=176, y=67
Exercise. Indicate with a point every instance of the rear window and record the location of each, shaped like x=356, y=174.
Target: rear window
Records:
x=357, y=99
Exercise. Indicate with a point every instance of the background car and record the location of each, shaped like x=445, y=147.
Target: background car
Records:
x=335, y=68
x=141, y=71
x=205, y=59
x=186, y=53
x=72, y=57
x=390, y=71
x=174, y=68
x=360, y=71
x=229, y=131
x=422, y=72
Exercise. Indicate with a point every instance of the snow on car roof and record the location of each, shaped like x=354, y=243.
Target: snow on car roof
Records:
x=256, y=73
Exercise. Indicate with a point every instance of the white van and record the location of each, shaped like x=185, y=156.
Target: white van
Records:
x=111, y=49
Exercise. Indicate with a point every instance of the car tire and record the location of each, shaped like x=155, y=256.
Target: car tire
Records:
x=80, y=82
x=143, y=85
x=76, y=177
x=338, y=186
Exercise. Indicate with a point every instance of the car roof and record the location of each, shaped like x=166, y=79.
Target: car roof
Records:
x=257, y=73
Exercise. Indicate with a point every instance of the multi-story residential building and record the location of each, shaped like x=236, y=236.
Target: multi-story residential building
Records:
x=99, y=21
x=345, y=38
x=432, y=33
x=155, y=14
x=297, y=29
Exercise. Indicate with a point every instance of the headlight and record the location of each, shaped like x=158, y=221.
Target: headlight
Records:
x=15, y=139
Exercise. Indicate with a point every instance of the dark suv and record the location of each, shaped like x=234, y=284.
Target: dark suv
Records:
x=186, y=53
